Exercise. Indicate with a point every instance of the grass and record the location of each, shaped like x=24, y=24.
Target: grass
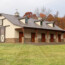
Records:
x=18, y=54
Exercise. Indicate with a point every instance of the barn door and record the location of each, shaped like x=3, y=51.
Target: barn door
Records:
x=59, y=37
x=2, y=34
x=43, y=37
x=32, y=37
x=51, y=37
x=20, y=36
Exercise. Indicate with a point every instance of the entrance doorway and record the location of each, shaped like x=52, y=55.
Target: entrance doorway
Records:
x=43, y=37
x=51, y=37
x=59, y=37
x=20, y=36
x=32, y=37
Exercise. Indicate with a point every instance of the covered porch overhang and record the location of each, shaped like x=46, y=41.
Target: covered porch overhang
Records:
x=37, y=30
x=63, y=31
x=20, y=29
x=21, y=34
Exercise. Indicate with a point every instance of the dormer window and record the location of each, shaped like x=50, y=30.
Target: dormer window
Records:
x=50, y=24
x=24, y=20
x=39, y=23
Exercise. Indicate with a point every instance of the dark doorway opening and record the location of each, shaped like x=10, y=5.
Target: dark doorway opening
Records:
x=59, y=37
x=20, y=36
x=32, y=37
x=43, y=37
x=51, y=37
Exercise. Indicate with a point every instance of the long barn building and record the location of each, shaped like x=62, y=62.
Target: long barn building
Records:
x=14, y=29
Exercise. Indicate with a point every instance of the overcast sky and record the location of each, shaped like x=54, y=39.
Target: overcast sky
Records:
x=10, y=6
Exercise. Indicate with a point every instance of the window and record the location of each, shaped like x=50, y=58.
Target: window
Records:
x=38, y=22
x=51, y=24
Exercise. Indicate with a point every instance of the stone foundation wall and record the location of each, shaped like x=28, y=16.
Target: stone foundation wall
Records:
x=39, y=40
x=27, y=39
x=62, y=40
x=11, y=40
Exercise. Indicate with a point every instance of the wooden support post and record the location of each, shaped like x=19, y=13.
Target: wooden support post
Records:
x=56, y=34
x=47, y=38
x=36, y=37
x=64, y=36
x=23, y=35
x=47, y=33
x=23, y=31
x=56, y=37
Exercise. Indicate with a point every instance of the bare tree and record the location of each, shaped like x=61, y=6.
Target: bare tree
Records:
x=42, y=10
x=56, y=18
x=57, y=13
x=48, y=11
x=37, y=12
x=45, y=11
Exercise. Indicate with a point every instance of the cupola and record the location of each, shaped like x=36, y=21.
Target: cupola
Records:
x=17, y=13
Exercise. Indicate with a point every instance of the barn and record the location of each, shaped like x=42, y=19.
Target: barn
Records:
x=14, y=29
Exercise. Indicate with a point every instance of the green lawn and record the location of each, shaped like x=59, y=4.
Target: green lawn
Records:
x=18, y=54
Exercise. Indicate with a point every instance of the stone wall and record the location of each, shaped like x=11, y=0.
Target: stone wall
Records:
x=11, y=40
x=27, y=39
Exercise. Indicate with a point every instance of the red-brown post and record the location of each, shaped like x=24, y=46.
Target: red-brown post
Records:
x=47, y=33
x=23, y=35
x=36, y=31
x=56, y=34
x=23, y=31
x=56, y=37
x=64, y=35
x=47, y=38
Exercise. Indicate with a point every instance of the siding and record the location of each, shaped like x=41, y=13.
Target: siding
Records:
x=10, y=31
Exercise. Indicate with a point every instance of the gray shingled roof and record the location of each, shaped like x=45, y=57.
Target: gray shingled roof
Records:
x=15, y=20
x=31, y=24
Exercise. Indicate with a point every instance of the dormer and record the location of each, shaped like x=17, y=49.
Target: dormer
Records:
x=39, y=23
x=51, y=24
x=24, y=20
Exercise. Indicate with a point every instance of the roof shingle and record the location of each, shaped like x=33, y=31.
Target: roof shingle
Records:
x=15, y=20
